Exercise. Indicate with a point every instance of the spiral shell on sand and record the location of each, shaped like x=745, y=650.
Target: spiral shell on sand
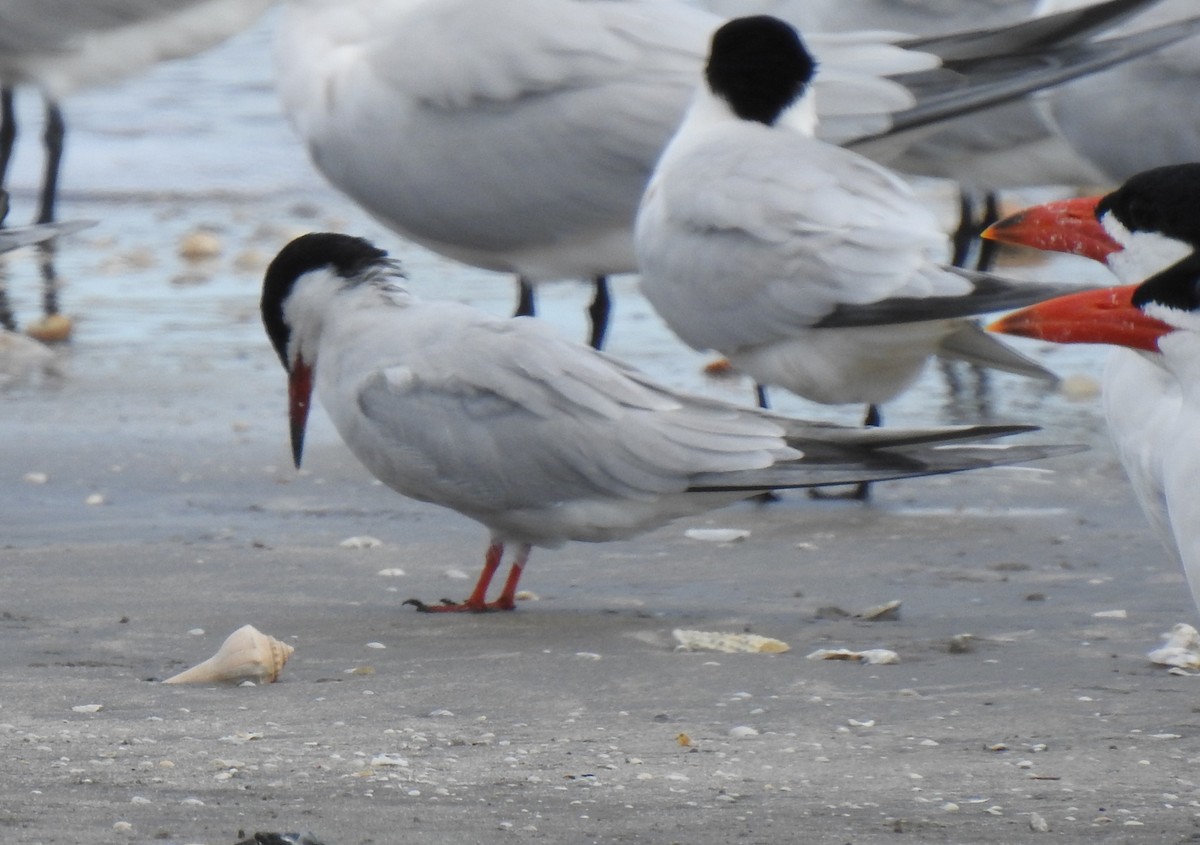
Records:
x=246, y=655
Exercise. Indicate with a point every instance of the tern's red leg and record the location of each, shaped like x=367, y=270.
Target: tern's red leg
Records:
x=508, y=596
x=477, y=601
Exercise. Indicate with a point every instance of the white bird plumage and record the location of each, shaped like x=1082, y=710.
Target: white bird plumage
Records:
x=807, y=265
x=539, y=439
x=518, y=138
x=1146, y=232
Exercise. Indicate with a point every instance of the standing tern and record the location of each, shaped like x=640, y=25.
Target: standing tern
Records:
x=539, y=439
x=1147, y=232
x=60, y=46
x=519, y=138
x=807, y=265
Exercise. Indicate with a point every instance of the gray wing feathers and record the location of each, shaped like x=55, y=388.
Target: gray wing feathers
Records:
x=971, y=343
x=987, y=293
x=888, y=465
x=564, y=417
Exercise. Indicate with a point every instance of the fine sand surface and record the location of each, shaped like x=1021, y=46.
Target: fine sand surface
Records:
x=148, y=508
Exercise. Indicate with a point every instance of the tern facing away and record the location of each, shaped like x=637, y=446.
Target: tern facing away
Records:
x=1148, y=233
x=60, y=46
x=519, y=137
x=805, y=264
x=540, y=439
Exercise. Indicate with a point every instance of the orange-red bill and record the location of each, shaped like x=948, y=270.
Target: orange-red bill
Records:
x=1062, y=226
x=299, y=399
x=1107, y=316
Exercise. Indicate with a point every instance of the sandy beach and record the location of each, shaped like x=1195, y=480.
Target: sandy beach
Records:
x=149, y=508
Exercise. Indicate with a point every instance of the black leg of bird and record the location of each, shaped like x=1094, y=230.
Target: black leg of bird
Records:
x=525, y=305
x=988, y=250
x=8, y=131
x=56, y=130
x=598, y=312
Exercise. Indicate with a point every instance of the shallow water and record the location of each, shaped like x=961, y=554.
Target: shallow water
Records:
x=201, y=144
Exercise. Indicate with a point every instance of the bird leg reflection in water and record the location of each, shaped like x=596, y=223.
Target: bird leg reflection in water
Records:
x=860, y=492
x=477, y=602
x=969, y=229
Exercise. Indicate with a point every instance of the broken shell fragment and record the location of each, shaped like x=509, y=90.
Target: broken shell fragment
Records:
x=1180, y=649
x=717, y=535
x=727, y=643
x=888, y=611
x=246, y=655
x=870, y=655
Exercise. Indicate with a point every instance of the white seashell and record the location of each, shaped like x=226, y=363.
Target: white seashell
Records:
x=362, y=542
x=717, y=535
x=1181, y=649
x=727, y=643
x=888, y=611
x=870, y=655
x=246, y=655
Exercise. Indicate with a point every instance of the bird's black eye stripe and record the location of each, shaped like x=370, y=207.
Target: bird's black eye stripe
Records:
x=759, y=66
x=347, y=256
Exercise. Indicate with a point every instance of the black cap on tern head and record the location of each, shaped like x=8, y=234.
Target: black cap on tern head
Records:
x=1176, y=287
x=759, y=66
x=345, y=255
x=1165, y=200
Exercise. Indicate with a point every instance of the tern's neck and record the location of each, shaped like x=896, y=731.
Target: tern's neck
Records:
x=708, y=110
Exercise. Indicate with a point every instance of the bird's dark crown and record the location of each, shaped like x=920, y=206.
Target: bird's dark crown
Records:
x=1177, y=287
x=1164, y=200
x=759, y=66
x=345, y=255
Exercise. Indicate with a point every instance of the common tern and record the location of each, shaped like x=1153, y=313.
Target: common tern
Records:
x=807, y=265
x=1148, y=233
x=60, y=46
x=540, y=439
x=519, y=138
